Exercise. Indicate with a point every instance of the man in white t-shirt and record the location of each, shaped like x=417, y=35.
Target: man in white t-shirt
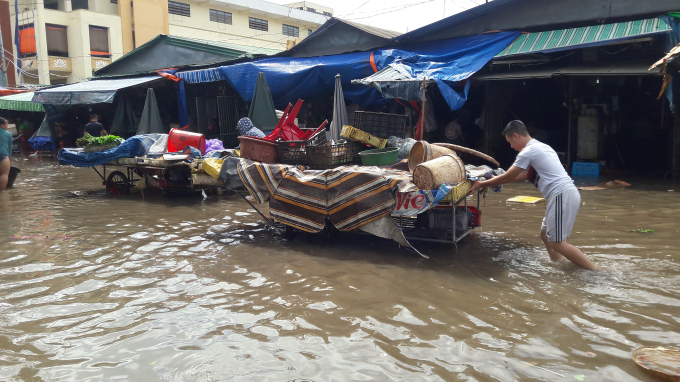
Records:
x=539, y=163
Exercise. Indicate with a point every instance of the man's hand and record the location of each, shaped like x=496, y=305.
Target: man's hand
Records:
x=476, y=185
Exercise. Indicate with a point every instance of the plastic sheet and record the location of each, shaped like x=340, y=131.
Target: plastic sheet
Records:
x=213, y=145
x=136, y=146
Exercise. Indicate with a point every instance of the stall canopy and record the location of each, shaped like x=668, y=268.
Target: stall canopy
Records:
x=89, y=92
x=20, y=102
x=574, y=38
x=448, y=63
x=289, y=79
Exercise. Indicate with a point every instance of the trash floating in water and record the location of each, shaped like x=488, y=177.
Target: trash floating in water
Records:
x=41, y=237
x=580, y=377
x=606, y=185
x=526, y=200
x=641, y=230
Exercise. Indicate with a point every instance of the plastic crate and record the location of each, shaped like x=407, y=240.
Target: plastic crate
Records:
x=331, y=156
x=440, y=218
x=583, y=168
x=458, y=192
x=295, y=152
x=382, y=125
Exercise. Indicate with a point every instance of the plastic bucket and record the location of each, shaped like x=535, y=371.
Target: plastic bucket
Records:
x=379, y=157
x=180, y=139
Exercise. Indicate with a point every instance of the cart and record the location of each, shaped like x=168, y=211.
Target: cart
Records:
x=411, y=226
x=415, y=230
x=168, y=175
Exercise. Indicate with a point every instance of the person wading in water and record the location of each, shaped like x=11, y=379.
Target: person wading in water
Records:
x=5, y=153
x=540, y=164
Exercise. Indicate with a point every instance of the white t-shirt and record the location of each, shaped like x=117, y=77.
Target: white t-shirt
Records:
x=543, y=168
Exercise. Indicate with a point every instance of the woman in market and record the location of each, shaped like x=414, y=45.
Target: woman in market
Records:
x=5, y=153
x=246, y=128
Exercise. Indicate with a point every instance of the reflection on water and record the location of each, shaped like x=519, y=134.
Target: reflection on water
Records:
x=97, y=288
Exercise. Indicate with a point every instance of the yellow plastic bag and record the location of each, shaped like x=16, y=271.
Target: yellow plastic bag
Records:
x=212, y=167
x=355, y=134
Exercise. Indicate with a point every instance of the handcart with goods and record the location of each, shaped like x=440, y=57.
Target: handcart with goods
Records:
x=170, y=174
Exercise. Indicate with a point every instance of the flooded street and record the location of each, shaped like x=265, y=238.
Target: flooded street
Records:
x=96, y=288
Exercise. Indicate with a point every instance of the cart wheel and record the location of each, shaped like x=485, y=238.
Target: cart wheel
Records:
x=117, y=184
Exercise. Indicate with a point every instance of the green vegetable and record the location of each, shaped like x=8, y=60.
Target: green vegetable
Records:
x=89, y=140
x=641, y=230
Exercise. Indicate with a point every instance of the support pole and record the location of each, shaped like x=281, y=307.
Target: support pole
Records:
x=3, y=67
x=570, y=103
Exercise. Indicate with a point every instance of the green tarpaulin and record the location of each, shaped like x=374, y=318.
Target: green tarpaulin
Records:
x=262, y=112
x=20, y=102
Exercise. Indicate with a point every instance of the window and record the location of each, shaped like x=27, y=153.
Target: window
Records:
x=220, y=16
x=290, y=30
x=311, y=10
x=259, y=24
x=57, y=41
x=99, y=41
x=328, y=14
x=79, y=4
x=114, y=1
x=309, y=32
x=52, y=4
x=181, y=9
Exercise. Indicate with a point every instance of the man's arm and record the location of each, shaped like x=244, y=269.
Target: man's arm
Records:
x=513, y=174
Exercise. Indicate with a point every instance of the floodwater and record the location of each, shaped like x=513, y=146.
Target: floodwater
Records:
x=97, y=288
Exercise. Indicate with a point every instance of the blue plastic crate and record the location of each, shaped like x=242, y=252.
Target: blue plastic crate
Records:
x=582, y=168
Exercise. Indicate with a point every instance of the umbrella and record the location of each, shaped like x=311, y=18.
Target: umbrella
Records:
x=150, y=122
x=339, y=111
x=124, y=119
x=262, y=112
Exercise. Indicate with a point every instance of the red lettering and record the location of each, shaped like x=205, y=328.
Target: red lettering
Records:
x=417, y=202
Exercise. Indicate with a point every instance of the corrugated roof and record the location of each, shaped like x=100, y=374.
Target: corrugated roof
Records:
x=21, y=102
x=563, y=39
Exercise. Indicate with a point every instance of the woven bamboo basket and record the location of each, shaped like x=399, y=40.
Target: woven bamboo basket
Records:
x=659, y=361
x=432, y=174
x=423, y=152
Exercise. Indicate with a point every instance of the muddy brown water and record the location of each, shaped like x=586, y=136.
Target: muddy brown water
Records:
x=94, y=288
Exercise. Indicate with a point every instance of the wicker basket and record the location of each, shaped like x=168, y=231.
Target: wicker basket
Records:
x=423, y=152
x=447, y=169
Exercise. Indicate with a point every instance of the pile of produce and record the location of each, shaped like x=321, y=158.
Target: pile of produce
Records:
x=88, y=141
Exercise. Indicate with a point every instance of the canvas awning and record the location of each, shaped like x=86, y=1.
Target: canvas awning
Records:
x=20, y=102
x=89, y=92
x=573, y=38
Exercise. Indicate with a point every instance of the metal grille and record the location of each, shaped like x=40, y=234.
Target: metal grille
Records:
x=290, y=30
x=259, y=24
x=229, y=110
x=181, y=9
x=220, y=16
x=328, y=14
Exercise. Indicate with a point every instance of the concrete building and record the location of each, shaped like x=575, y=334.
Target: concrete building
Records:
x=65, y=41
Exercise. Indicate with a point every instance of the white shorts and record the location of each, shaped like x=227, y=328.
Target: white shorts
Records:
x=561, y=214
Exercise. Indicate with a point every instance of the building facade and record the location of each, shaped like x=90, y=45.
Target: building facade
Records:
x=65, y=41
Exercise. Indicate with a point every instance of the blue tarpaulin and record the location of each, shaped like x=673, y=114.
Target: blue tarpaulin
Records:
x=445, y=62
x=136, y=146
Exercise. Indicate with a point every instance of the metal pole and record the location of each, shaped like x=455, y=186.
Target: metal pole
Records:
x=3, y=67
x=570, y=103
